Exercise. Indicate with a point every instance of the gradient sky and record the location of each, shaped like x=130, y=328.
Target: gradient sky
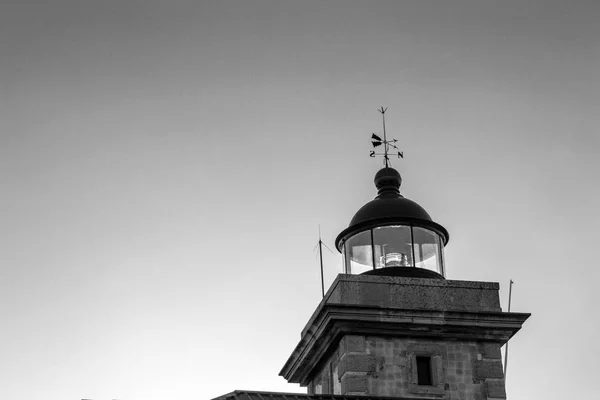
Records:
x=164, y=166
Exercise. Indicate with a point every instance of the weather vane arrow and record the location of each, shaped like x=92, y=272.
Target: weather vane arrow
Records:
x=377, y=141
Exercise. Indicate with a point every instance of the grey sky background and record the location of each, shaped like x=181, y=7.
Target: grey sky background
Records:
x=164, y=166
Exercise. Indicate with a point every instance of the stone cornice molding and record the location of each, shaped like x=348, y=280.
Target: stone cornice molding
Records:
x=332, y=321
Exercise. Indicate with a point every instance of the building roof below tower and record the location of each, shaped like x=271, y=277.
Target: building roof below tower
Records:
x=252, y=395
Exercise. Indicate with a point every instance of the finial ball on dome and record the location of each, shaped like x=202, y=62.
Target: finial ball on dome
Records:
x=388, y=180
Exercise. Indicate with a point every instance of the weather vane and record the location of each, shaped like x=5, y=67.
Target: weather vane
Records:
x=387, y=144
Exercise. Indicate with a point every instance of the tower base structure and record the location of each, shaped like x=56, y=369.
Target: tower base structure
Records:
x=408, y=338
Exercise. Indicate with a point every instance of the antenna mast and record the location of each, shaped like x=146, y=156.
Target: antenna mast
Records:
x=506, y=348
x=320, y=245
x=321, y=258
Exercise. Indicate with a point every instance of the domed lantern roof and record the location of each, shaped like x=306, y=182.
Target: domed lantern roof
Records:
x=389, y=202
x=392, y=235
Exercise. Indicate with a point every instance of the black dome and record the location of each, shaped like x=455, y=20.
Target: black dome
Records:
x=389, y=208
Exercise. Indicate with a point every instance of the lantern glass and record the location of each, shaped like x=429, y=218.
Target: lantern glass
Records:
x=359, y=253
x=428, y=250
x=393, y=246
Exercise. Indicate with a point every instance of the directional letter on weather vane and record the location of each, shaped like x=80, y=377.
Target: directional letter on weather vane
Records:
x=387, y=144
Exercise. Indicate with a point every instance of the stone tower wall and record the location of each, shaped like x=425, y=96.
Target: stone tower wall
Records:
x=380, y=366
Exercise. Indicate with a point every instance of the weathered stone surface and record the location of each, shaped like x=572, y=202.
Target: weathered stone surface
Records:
x=488, y=369
x=426, y=348
x=491, y=350
x=354, y=384
x=385, y=367
x=359, y=315
x=375, y=294
x=353, y=344
x=495, y=389
x=357, y=363
x=416, y=293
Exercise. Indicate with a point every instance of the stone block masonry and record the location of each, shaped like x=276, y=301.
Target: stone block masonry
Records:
x=384, y=366
x=409, y=338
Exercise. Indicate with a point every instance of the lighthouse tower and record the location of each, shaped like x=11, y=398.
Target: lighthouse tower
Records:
x=393, y=325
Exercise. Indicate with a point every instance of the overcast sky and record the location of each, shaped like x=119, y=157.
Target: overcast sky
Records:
x=164, y=166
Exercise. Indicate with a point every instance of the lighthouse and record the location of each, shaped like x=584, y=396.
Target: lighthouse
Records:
x=392, y=325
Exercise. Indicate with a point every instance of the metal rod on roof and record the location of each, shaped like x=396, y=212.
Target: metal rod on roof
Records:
x=386, y=160
x=321, y=257
x=506, y=348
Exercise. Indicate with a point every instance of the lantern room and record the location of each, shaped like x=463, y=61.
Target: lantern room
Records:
x=392, y=235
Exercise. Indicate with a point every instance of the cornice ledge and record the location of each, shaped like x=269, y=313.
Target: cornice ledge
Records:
x=336, y=320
